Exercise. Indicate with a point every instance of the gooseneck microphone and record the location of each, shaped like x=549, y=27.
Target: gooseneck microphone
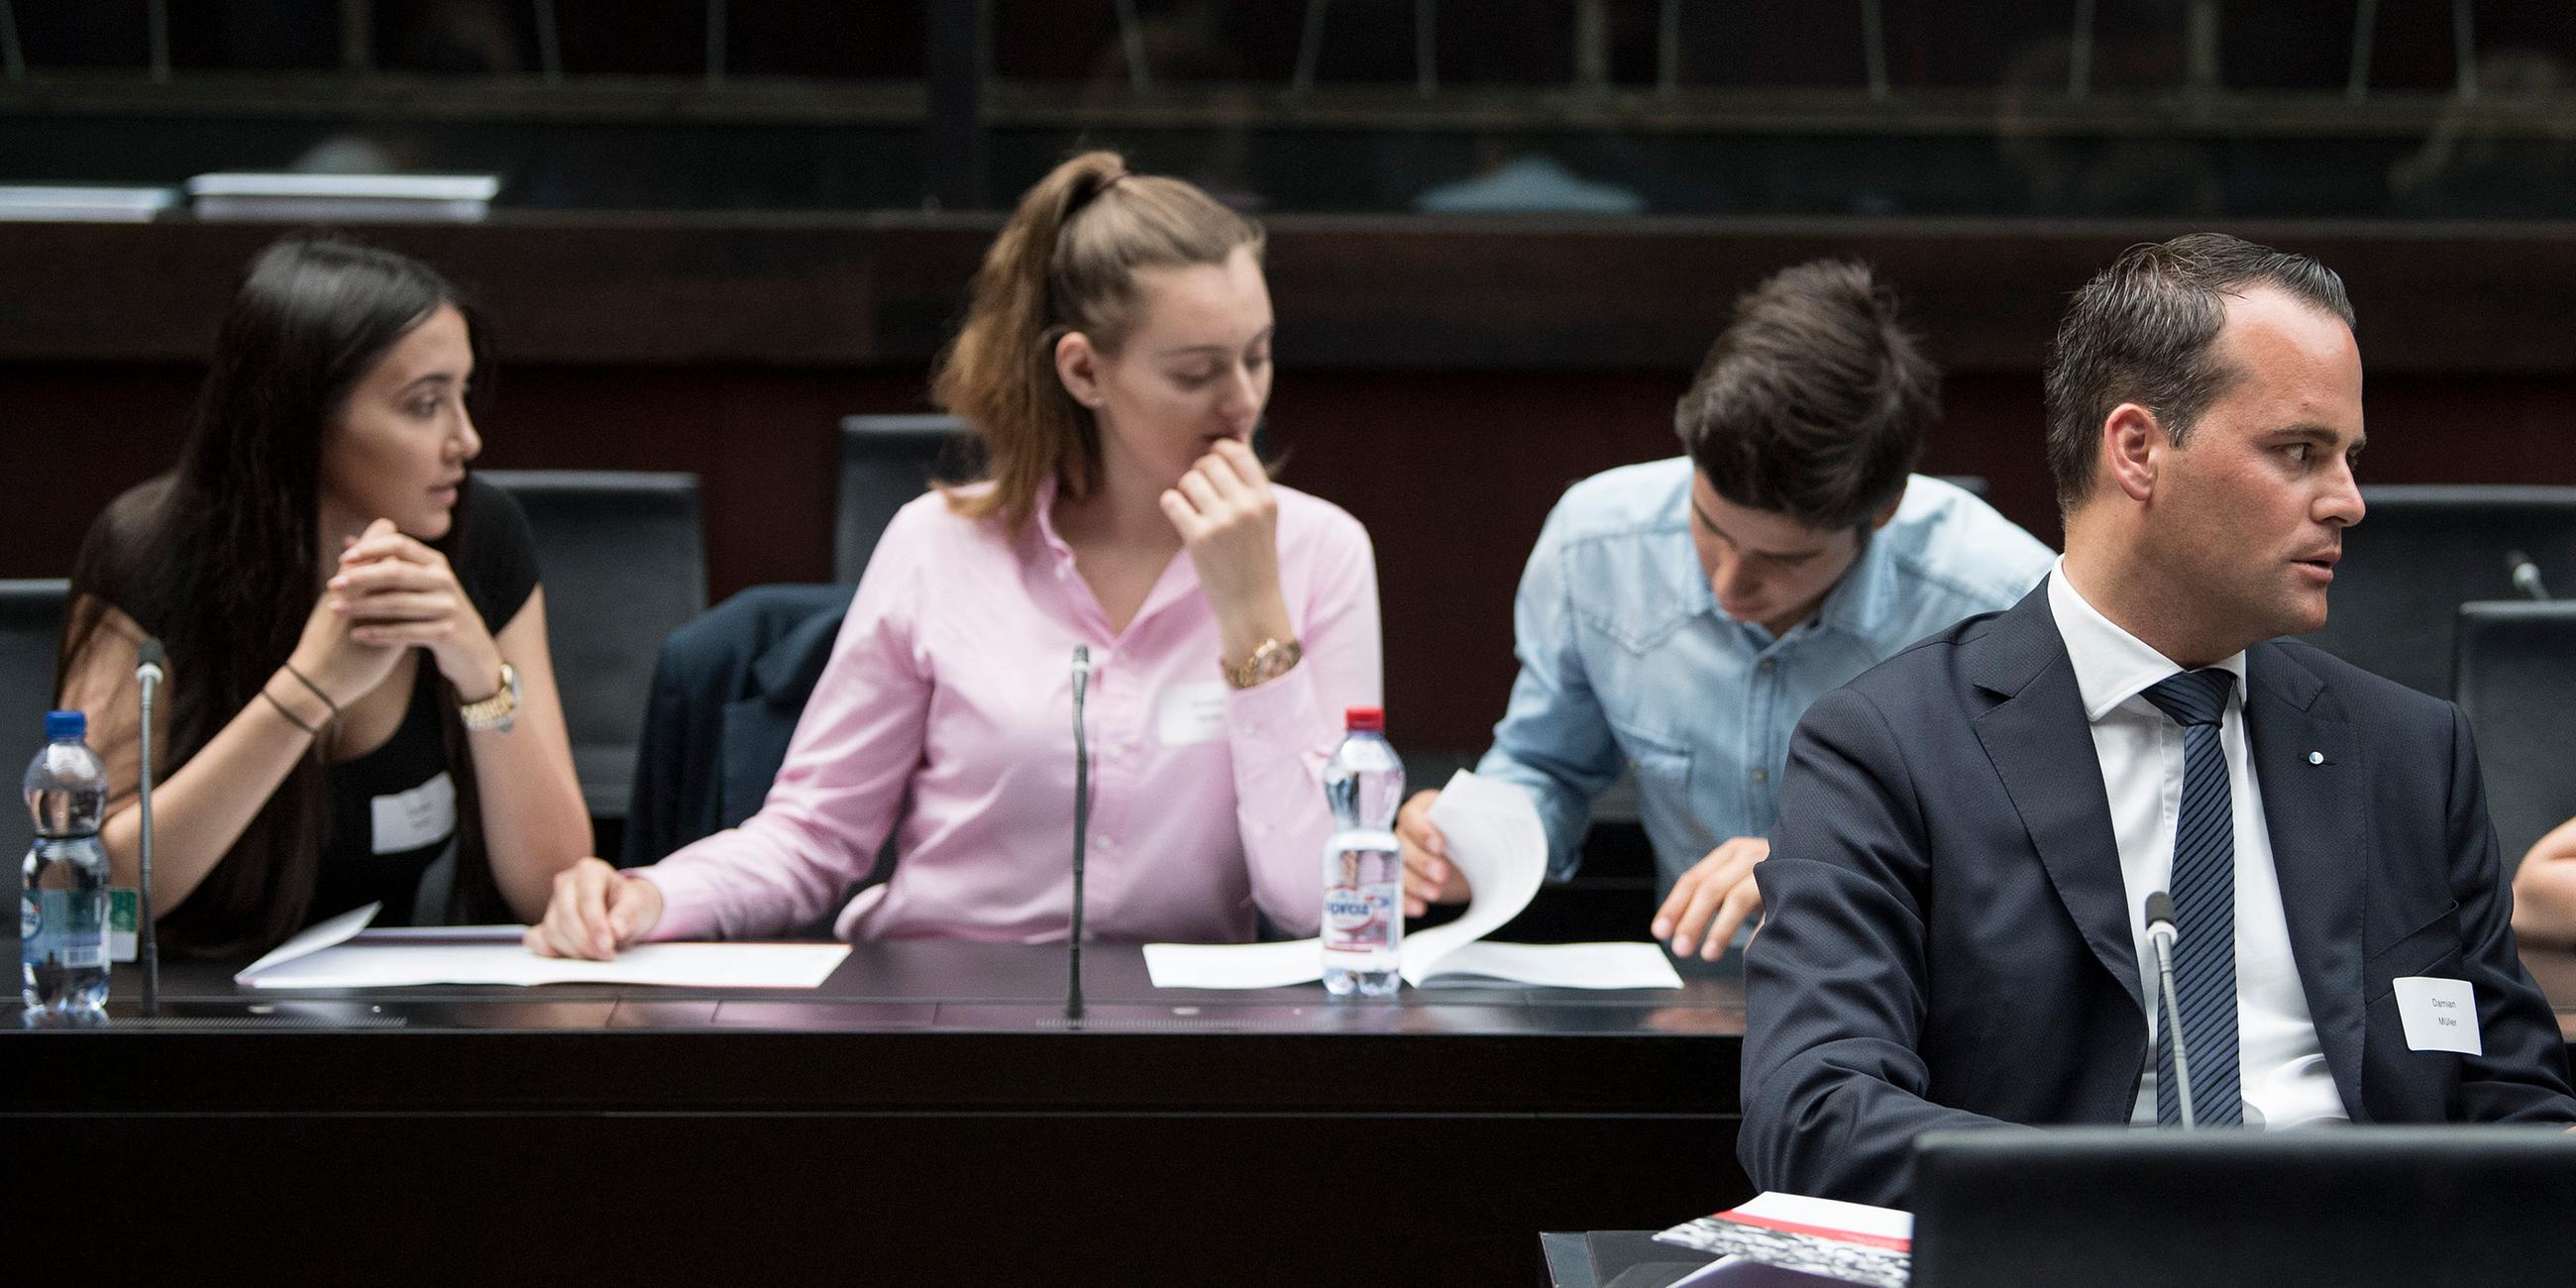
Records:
x=1081, y=828
x=147, y=674
x=2161, y=934
x=2525, y=574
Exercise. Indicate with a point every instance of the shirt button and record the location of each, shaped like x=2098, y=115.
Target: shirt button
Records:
x=1770, y=664
x=1761, y=776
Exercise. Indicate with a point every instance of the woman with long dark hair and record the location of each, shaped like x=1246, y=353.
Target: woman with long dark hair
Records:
x=358, y=672
x=1114, y=361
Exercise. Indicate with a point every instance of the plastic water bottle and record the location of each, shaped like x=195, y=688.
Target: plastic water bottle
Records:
x=1363, y=868
x=62, y=914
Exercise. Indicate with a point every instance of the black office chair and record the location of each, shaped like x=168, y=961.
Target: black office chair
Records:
x=31, y=628
x=886, y=461
x=624, y=562
x=2420, y=553
x=2517, y=683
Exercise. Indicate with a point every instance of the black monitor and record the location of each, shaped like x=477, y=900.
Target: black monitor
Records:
x=2344, y=1206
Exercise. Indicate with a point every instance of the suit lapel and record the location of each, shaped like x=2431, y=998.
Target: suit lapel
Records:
x=2320, y=849
x=2042, y=748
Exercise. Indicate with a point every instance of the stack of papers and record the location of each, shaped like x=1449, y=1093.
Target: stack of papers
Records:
x=1826, y=1238
x=382, y=198
x=343, y=953
x=84, y=203
x=1496, y=839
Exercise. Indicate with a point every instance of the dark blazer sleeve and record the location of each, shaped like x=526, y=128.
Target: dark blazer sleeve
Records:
x=1836, y=981
x=2522, y=1074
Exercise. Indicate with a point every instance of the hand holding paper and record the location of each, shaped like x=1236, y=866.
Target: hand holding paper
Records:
x=1496, y=840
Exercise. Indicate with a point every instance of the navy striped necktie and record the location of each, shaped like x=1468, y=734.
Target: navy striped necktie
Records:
x=2204, y=896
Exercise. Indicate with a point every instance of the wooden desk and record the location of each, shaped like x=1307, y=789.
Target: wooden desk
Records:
x=923, y=1116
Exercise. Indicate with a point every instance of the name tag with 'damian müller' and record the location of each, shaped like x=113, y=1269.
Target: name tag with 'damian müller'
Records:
x=422, y=816
x=2439, y=1014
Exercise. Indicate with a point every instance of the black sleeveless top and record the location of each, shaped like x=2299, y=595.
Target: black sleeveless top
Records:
x=394, y=809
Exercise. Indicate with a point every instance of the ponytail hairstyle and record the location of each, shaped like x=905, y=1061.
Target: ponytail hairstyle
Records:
x=1066, y=262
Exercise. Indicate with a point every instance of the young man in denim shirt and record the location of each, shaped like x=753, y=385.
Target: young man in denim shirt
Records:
x=1677, y=617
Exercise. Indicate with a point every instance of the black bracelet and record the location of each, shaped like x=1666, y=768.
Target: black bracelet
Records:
x=291, y=717
x=317, y=690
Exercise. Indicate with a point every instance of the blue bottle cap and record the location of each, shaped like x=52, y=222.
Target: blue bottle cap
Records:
x=63, y=725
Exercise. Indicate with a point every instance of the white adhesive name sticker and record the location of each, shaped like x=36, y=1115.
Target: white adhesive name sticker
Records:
x=2439, y=1014
x=1190, y=713
x=412, y=819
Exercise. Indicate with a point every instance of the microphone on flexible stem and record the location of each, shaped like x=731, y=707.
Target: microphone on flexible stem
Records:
x=147, y=673
x=2525, y=574
x=1081, y=828
x=2161, y=934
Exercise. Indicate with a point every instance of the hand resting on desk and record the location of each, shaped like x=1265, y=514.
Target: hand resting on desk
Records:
x=595, y=911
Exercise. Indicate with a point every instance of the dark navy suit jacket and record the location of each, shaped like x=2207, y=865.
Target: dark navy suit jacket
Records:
x=1947, y=937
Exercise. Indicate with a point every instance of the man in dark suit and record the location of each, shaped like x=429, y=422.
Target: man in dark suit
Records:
x=1969, y=831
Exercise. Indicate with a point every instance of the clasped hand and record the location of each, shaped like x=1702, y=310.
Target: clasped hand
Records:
x=392, y=592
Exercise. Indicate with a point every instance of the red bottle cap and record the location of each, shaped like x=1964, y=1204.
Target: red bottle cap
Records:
x=1365, y=719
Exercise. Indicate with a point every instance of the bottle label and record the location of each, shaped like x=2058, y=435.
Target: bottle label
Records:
x=1358, y=918
x=59, y=927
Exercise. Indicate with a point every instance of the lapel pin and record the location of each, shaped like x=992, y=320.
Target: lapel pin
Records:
x=2316, y=758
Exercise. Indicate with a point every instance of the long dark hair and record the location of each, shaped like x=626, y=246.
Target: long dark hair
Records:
x=220, y=557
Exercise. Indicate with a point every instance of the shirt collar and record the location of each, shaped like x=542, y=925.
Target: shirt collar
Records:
x=1863, y=602
x=1042, y=522
x=2111, y=665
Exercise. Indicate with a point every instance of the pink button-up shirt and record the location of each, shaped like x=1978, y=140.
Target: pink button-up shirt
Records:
x=951, y=685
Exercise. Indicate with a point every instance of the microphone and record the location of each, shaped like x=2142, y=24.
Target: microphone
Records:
x=1081, y=829
x=147, y=673
x=2525, y=574
x=2161, y=935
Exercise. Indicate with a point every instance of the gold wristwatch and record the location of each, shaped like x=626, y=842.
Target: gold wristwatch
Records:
x=1268, y=662
x=500, y=710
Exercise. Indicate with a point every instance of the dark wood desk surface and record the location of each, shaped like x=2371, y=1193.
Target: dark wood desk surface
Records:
x=927, y=1103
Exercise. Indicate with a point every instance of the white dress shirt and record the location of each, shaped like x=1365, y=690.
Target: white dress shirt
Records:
x=2286, y=1080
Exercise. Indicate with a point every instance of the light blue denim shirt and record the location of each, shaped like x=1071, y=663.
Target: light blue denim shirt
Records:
x=1626, y=662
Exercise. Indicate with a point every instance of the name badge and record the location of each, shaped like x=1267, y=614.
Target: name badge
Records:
x=2439, y=1014
x=412, y=819
x=1190, y=713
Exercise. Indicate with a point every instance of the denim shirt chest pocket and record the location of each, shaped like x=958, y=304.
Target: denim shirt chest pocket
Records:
x=1652, y=696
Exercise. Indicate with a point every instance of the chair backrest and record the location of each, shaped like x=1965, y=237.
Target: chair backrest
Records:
x=2420, y=553
x=31, y=629
x=2516, y=680
x=624, y=561
x=886, y=461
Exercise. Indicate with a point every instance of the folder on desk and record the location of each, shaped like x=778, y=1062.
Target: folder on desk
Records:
x=1827, y=1238
x=1496, y=839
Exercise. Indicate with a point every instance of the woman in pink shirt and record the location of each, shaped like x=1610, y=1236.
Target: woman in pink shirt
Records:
x=1115, y=360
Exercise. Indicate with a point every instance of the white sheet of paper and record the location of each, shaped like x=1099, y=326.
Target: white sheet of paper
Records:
x=2439, y=1014
x=1235, y=965
x=1559, y=965
x=312, y=939
x=1496, y=839
x=395, y=961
